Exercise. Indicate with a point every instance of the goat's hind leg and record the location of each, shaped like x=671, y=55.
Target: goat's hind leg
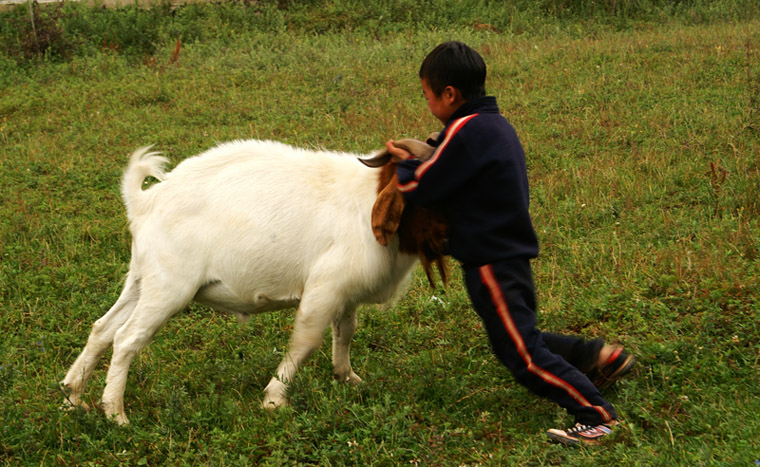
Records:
x=100, y=339
x=158, y=303
x=343, y=328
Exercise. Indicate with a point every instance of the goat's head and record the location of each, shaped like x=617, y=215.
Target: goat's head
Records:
x=421, y=231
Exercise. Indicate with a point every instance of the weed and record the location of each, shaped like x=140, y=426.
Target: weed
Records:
x=72, y=28
x=753, y=87
x=717, y=176
x=38, y=34
x=153, y=63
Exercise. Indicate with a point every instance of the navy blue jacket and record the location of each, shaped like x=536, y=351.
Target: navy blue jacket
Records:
x=477, y=178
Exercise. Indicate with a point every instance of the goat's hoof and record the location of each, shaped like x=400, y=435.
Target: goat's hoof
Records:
x=115, y=415
x=119, y=418
x=273, y=403
x=275, y=395
x=351, y=378
x=71, y=398
x=69, y=405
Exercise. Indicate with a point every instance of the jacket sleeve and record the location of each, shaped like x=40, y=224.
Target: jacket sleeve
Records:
x=451, y=166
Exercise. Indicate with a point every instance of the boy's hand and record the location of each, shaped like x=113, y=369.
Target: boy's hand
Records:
x=397, y=154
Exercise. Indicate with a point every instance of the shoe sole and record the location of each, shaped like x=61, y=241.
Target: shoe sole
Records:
x=562, y=439
x=560, y=436
x=571, y=441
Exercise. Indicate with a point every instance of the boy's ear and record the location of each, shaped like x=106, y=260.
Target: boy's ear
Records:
x=452, y=95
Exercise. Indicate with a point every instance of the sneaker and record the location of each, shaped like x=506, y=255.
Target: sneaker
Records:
x=587, y=434
x=617, y=365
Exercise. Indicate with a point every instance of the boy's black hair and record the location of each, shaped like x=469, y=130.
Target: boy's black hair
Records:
x=455, y=64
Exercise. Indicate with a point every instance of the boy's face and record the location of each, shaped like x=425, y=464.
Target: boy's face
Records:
x=444, y=105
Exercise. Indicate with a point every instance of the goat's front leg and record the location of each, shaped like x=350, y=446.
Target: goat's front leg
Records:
x=318, y=307
x=343, y=331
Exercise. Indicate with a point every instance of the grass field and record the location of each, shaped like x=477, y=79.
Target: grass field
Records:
x=642, y=133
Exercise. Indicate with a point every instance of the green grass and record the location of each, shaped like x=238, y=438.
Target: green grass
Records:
x=643, y=241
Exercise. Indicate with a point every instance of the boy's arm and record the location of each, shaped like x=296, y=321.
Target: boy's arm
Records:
x=398, y=154
x=429, y=182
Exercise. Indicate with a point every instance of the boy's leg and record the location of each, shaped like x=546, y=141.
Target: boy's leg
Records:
x=582, y=354
x=504, y=298
x=602, y=364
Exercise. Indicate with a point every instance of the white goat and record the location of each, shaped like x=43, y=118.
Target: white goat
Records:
x=246, y=227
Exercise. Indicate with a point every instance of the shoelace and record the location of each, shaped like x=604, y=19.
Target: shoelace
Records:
x=589, y=430
x=578, y=428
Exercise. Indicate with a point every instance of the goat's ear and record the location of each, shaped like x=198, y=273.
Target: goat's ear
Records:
x=386, y=213
x=378, y=160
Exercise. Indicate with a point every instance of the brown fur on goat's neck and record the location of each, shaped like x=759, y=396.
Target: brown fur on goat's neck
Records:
x=422, y=231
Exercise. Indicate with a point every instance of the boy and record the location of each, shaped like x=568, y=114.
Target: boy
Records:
x=477, y=178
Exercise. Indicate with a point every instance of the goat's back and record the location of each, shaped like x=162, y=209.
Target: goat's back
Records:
x=265, y=218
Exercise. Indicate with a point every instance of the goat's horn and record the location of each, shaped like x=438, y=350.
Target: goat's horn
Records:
x=378, y=160
x=420, y=149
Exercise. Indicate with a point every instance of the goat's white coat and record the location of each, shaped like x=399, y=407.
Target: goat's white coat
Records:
x=246, y=227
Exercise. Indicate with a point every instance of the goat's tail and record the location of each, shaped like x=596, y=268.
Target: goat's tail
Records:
x=142, y=164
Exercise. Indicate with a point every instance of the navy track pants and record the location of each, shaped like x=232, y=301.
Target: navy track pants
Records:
x=504, y=297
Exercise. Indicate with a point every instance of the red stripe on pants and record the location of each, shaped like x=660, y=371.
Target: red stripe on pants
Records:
x=488, y=278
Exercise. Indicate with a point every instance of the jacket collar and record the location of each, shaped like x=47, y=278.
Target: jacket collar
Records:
x=486, y=104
